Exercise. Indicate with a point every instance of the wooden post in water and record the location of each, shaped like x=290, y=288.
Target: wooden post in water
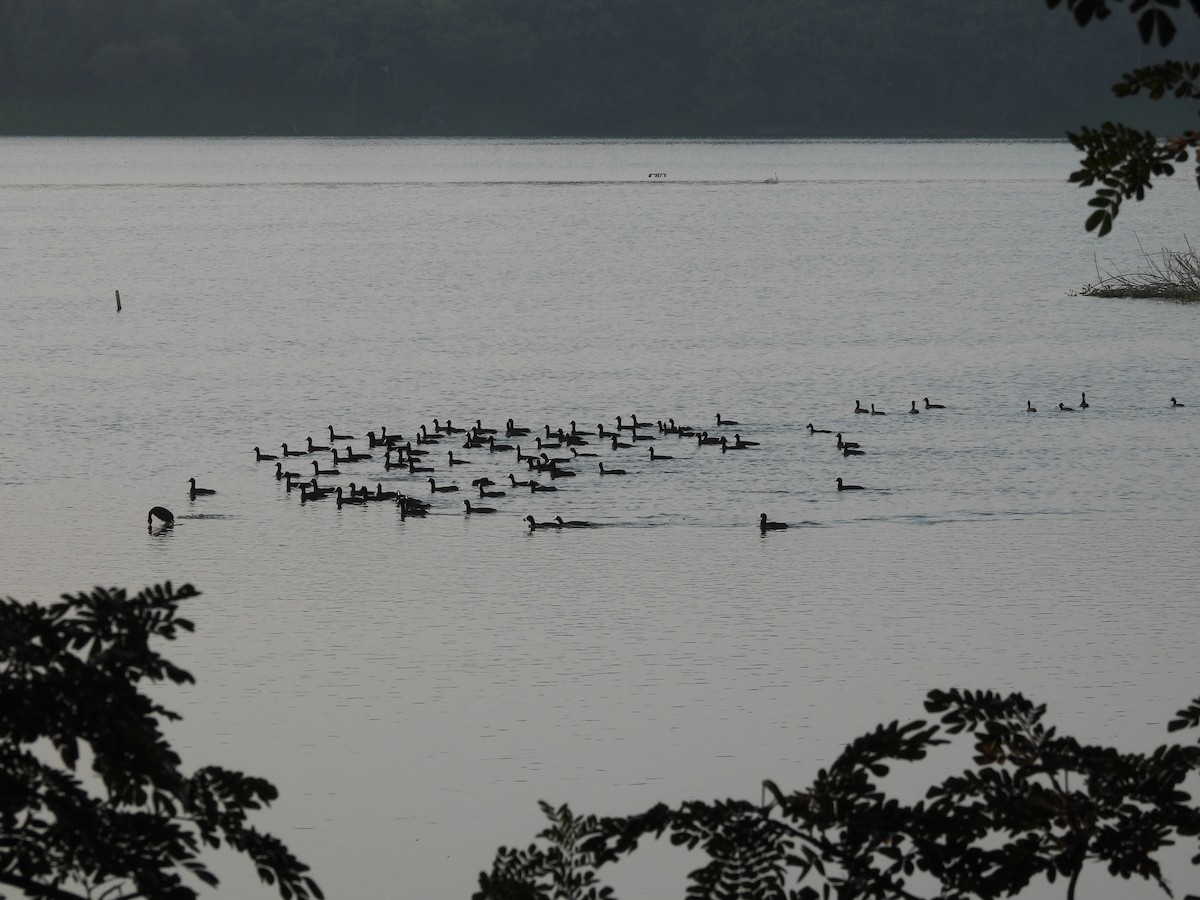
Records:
x=118, y=301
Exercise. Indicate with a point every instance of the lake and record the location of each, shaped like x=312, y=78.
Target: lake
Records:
x=414, y=687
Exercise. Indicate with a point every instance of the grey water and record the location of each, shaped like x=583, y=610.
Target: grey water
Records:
x=414, y=687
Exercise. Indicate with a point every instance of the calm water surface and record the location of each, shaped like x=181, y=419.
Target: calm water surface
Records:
x=414, y=687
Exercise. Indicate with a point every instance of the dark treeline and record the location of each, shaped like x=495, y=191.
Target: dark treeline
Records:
x=537, y=67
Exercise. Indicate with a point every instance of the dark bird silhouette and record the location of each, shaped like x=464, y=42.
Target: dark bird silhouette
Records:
x=764, y=525
x=573, y=523
x=477, y=509
x=381, y=494
x=1175, y=404
x=198, y=492
x=164, y=516
x=314, y=491
x=1083, y=404
x=259, y=456
x=1062, y=407
x=914, y=411
x=604, y=471
x=287, y=452
x=354, y=499
x=654, y=456
x=339, y=437
x=929, y=405
x=483, y=493
x=877, y=412
x=1029, y=407
x=723, y=422
x=848, y=487
x=445, y=489
x=280, y=474
x=314, y=448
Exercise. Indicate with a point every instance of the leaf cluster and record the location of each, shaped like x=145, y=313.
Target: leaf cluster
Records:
x=1123, y=161
x=71, y=695
x=1034, y=805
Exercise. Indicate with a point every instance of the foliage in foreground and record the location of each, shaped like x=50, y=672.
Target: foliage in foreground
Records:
x=1123, y=161
x=70, y=677
x=1036, y=804
x=1167, y=275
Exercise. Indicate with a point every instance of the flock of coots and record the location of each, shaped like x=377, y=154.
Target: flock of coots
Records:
x=437, y=456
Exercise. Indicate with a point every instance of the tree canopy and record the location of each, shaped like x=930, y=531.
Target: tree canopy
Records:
x=1121, y=159
x=71, y=695
x=1035, y=804
x=550, y=67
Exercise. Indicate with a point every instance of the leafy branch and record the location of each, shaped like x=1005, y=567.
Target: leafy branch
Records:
x=1035, y=804
x=1123, y=161
x=70, y=677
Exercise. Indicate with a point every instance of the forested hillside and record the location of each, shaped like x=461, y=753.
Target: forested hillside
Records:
x=540, y=67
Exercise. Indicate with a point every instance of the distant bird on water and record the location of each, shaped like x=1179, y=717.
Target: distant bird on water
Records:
x=770, y=526
x=195, y=492
x=118, y=310
x=1175, y=404
x=573, y=523
x=1029, y=407
x=164, y=516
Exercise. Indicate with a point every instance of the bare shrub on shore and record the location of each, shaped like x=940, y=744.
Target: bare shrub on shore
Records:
x=1166, y=275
